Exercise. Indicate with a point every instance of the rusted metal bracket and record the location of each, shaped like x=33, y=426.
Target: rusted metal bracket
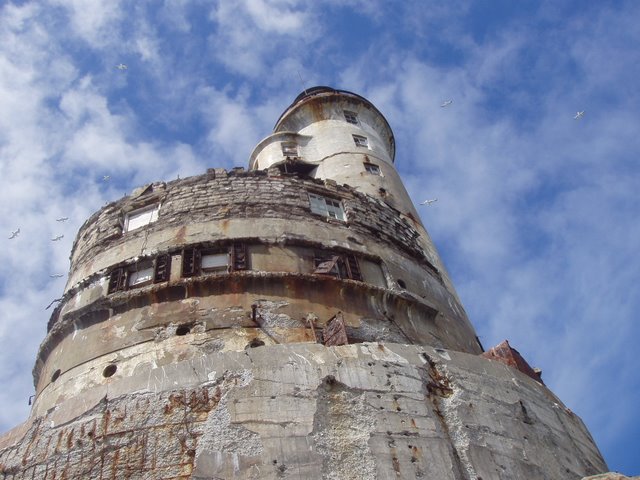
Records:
x=335, y=332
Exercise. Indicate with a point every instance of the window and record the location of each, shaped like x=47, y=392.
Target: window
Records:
x=215, y=262
x=140, y=218
x=289, y=149
x=361, y=141
x=327, y=207
x=351, y=117
x=140, y=274
x=372, y=168
x=339, y=266
x=140, y=277
x=201, y=260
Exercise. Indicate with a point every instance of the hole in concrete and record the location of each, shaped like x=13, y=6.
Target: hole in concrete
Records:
x=256, y=342
x=401, y=283
x=55, y=375
x=109, y=370
x=183, y=330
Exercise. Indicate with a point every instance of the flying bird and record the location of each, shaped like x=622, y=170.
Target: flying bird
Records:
x=14, y=234
x=121, y=66
x=579, y=115
x=59, y=237
x=106, y=178
x=429, y=202
x=56, y=275
x=62, y=219
x=446, y=103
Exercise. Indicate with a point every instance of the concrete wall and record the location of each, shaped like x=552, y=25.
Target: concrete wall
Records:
x=301, y=411
x=272, y=301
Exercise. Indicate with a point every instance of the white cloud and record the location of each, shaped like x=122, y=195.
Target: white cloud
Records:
x=95, y=21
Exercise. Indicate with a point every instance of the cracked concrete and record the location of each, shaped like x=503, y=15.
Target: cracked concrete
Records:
x=301, y=411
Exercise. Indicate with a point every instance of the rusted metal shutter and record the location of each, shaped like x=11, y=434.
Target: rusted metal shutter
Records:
x=162, y=268
x=117, y=280
x=239, y=256
x=325, y=266
x=335, y=332
x=190, y=262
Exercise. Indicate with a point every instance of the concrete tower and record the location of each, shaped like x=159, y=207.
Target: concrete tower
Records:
x=289, y=321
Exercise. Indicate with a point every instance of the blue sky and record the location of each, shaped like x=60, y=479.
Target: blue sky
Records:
x=537, y=213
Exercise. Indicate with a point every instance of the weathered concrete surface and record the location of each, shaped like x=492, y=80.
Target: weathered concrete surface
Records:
x=303, y=411
x=610, y=476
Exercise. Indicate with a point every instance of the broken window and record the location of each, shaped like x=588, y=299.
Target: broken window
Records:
x=200, y=260
x=361, y=141
x=372, y=168
x=141, y=217
x=351, y=117
x=343, y=266
x=140, y=274
x=327, y=207
x=289, y=149
x=138, y=278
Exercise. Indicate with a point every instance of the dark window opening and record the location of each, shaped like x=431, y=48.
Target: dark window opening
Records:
x=401, y=283
x=256, y=342
x=55, y=375
x=183, y=330
x=372, y=168
x=351, y=117
x=296, y=165
x=109, y=370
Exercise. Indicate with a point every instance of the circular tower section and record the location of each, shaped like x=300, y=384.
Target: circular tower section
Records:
x=338, y=135
x=232, y=260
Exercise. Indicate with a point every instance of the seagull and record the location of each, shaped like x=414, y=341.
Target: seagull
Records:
x=106, y=178
x=14, y=234
x=56, y=275
x=59, y=237
x=446, y=103
x=121, y=66
x=579, y=115
x=429, y=202
x=62, y=219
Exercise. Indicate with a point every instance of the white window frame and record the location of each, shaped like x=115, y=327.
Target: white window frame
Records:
x=141, y=217
x=327, y=207
x=361, y=141
x=372, y=168
x=350, y=117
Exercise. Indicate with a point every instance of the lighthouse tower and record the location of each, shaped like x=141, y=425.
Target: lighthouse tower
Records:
x=292, y=320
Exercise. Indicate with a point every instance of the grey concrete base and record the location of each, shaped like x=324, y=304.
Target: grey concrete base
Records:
x=305, y=411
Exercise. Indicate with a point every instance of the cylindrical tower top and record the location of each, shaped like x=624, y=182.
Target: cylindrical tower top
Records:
x=331, y=95
x=332, y=134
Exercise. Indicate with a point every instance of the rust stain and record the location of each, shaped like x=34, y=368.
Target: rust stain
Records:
x=70, y=439
x=316, y=110
x=506, y=354
x=335, y=332
x=105, y=421
x=438, y=383
x=181, y=235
